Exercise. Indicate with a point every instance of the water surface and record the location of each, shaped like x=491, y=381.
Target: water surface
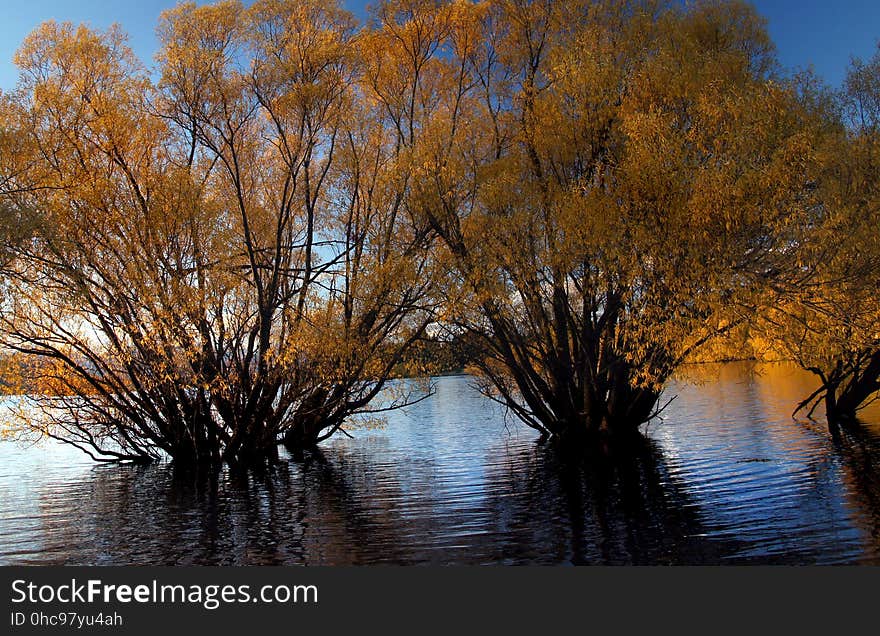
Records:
x=726, y=477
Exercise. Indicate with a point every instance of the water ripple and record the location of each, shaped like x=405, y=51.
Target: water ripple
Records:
x=726, y=477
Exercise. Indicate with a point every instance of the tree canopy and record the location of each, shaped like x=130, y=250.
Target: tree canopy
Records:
x=226, y=261
x=828, y=318
x=613, y=183
x=243, y=248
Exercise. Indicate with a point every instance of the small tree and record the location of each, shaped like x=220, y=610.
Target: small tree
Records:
x=227, y=268
x=830, y=320
x=611, y=182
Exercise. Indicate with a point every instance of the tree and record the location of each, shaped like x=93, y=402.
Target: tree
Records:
x=227, y=267
x=243, y=252
x=830, y=320
x=611, y=183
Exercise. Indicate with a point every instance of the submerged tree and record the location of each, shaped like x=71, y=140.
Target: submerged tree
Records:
x=829, y=321
x=243, y=252
x=227, y=267
x=609, y=180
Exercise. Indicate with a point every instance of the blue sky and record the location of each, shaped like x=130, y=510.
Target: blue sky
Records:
x=807, y=32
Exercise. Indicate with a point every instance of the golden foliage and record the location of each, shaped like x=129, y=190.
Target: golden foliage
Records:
x=589, y=192
x=219, y=263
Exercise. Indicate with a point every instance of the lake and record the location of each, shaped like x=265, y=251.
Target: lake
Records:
x=726, y=477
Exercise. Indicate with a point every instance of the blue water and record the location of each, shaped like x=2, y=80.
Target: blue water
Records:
x=726, y=477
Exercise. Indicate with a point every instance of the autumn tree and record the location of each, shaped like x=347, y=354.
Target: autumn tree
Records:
x=227, y=267
x=242, y=252
x=611, y=183
x=829, y=321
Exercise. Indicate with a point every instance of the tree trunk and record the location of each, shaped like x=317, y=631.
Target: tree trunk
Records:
x=618, y=418
x=847, y=390
x=842, y=404
x=310, y=420
x=303, y=434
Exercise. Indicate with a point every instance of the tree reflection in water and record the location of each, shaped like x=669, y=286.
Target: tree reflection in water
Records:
x=343, y=507
x=612, y=508
x=729, y=477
